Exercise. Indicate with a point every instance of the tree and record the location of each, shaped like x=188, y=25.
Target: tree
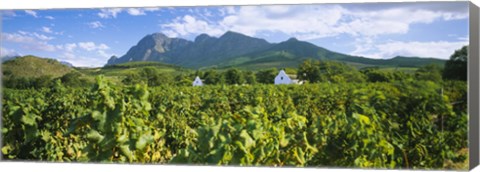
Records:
x=183, y=80
x=73, y=79
x=328, y=71
x=266, y=76
x=456, y=67
x=211, y=77
x=309, y=70
x=132, y=78
x=234, y=76
x=429, y=72
x=250, y=77
x=375, y=75
x=154, y=77
x=42, y=81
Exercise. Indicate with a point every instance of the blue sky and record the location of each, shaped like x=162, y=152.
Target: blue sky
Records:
x=89, y=37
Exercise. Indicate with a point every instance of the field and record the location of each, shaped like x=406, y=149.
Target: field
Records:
x=404, y=124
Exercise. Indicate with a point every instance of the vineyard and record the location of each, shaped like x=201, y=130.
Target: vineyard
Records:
x=405, y=124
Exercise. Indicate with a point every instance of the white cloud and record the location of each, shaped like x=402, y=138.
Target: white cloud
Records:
x=188, y=25
x=463, y=38
x=109, y=13
x=17, y=38
x=135, y=12
x=312, y=22
x=95, y=24
x=50, y=17
x=70, y=47
x=91, y=46
x=89, y=54
x=31, y=41
x=8, y=13
x=68, y=55
x=7, y=52
x=32, y=13
x=113, y=12
x=103, y=54
x=46, y=29
x=42, y=37
x=22, y=32
x=436, y=49
x=28, y=35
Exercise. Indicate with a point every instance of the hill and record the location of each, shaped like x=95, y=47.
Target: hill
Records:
x=117, y=72
x=34, y=67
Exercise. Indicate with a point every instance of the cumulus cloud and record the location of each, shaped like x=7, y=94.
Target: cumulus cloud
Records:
x=109, y=13
x=95, y=24
x=190, y=25
x=103, y=54
x=32, y=13
x=436, y=49
x=42, y=37
x=112, y=13
x=91, y=46
x=70, y=47
x=5, y=52
x=46, y=29
x=87, y=54
x=309, y=22
x=140, y=11
x=364, y=23
x=33, y=41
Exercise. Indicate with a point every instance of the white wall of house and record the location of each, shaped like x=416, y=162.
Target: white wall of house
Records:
x=282, y=78
x=197, y=82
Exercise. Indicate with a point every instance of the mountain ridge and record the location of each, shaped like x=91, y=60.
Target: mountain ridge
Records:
x=236, y=49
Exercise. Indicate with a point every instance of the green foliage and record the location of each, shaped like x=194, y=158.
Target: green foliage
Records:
x=429, y=72
x=456, y=67
x=234, y=76
x=266, y=76
x=212, y=77
x=328, y=71
x=250, y=77
x=404, y=124
x=375, y=75
x=74, y=79
x=27, y=83
x=34, y=67
x=309, y=70
x=151, y=76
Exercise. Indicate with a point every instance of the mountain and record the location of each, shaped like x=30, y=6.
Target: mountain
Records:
x=237, y=50
x=32, y=67
x=203, y=51
x=153, y=47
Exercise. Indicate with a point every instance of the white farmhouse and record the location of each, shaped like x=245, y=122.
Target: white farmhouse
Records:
x=197, y=82
x=282, y=78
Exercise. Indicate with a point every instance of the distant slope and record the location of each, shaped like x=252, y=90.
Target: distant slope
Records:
x=118, y=72
x=293, y=52
x=121, y=70
x=32, y=67
x=398, y=61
